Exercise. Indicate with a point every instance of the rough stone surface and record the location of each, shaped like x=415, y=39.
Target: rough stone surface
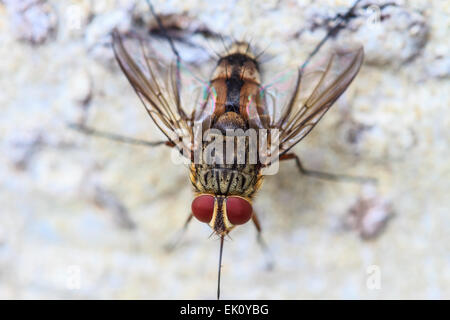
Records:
x=84, y=217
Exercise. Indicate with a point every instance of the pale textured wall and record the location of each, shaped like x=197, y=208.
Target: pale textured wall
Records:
x=52, y=177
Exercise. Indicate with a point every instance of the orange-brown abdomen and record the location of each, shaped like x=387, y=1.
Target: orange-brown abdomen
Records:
x=236, y=80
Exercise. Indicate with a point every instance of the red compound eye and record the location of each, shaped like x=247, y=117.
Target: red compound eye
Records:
x=239, y=210
x=203, y=208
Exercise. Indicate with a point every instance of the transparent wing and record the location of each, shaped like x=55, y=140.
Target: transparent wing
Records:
x=276, y=94
x=159, y=89
x=204, y=111
x=315, y=92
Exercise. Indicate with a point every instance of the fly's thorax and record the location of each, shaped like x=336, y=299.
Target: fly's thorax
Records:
x=226, y=179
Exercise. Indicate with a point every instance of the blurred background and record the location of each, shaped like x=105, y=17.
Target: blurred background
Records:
x=85, y=217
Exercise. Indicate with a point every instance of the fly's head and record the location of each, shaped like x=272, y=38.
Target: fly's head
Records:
x=222, y=213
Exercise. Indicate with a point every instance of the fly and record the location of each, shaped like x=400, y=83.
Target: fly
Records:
x=235, y=101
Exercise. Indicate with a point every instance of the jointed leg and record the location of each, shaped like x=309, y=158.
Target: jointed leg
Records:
x=112, y=136
x=260, y=239
x=262, y=243
x=326, y=175
x=340, y=24
x=175, y=241
x=171, y=43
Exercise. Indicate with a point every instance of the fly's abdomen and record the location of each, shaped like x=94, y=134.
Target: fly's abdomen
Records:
x=236, y=79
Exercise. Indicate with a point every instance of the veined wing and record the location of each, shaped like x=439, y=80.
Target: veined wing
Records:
x=308, y=105
x=158, y=88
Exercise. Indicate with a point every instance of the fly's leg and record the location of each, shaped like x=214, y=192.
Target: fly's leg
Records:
x=259, y=237
x=262, y=243
x=171, y=43
x=115, y=137
x=340, y=22
x=326, y=175
x=163, y=30
x=176, y=239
